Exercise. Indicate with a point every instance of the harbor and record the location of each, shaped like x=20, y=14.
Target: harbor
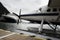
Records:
x=29, y=20
x=7, y=35
x=17, y=29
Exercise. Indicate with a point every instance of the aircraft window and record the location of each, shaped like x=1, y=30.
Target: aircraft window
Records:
x=54, y=9
x=48, y=10
x=59, y=9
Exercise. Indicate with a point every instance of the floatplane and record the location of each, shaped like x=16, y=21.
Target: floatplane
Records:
x=49, y=14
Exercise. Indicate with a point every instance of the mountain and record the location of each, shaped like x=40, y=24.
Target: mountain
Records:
x=3, y=10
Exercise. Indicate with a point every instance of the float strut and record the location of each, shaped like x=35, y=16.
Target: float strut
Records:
x=41, y=26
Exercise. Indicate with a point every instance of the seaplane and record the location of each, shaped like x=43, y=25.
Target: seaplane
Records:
x=49, y=14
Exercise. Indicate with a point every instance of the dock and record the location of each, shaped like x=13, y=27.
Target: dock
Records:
x=7, y=35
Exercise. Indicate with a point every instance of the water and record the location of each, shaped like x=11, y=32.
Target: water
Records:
x=24, y=26
x=14, y=26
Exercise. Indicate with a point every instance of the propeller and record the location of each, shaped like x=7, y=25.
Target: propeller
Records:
x=19, y=20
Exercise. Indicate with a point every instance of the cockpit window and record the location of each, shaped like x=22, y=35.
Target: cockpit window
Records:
x=54, y=9
x=48, y=10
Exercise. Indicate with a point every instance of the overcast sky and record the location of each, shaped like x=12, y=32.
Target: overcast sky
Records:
x=27, y=6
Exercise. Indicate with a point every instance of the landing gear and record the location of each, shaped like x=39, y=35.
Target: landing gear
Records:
x=54, y=32
x=49, y=32
x=54, y=27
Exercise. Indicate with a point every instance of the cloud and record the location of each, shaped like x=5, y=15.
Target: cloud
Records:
x=27, y=6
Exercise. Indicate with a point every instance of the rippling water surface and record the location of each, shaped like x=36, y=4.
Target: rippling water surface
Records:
x=15, y=26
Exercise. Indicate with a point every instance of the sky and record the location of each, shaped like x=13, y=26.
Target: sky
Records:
x=26, y=6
